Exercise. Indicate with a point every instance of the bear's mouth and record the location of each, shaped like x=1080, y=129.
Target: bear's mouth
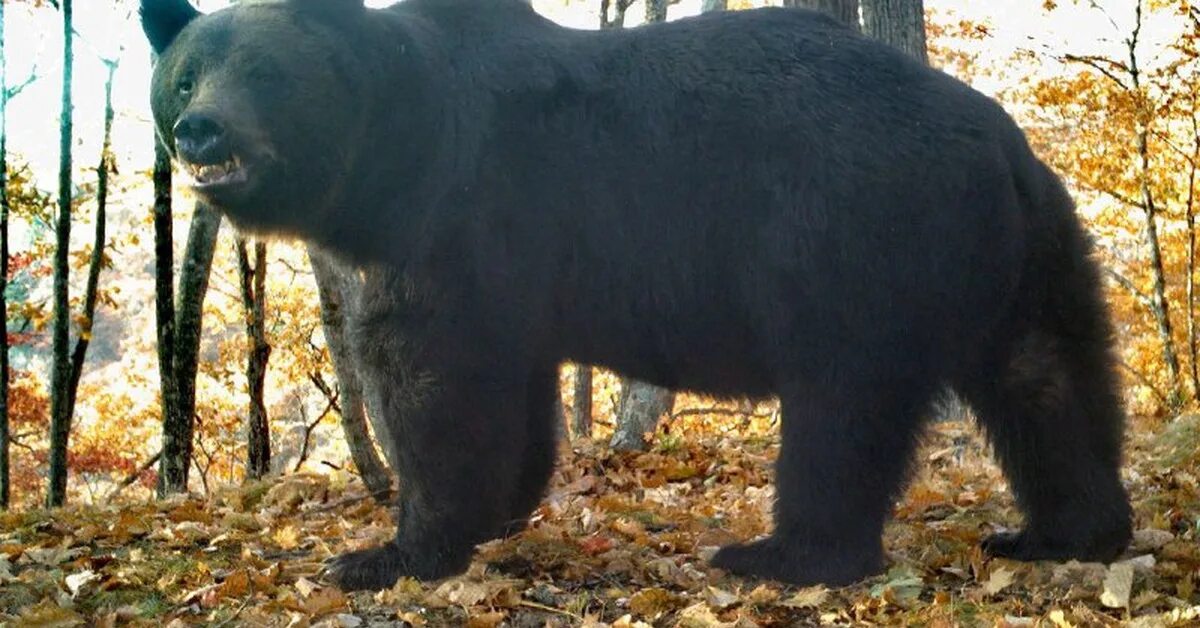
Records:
x=211, y=177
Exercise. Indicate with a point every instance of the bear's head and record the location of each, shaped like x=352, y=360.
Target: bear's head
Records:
x=263, y=104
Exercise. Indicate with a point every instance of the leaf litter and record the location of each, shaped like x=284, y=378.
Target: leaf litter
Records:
x=621, y=541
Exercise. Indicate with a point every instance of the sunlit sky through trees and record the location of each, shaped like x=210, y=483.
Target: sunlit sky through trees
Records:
x=105, y=31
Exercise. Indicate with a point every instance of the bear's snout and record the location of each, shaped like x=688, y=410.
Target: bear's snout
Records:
x=200, y=139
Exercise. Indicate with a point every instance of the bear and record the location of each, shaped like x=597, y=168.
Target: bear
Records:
x=748, y=204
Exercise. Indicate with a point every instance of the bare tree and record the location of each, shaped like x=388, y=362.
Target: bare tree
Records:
x=60, y=370
x=4, y=208
x=581, y=409
x=254, y=299
x=844, y=10
x=900, y=23
x=641, y=405
x=180, y=321
x=337, y=287
x=96, y=259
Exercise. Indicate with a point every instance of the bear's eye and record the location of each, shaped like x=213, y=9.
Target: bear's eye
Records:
x=185, y=87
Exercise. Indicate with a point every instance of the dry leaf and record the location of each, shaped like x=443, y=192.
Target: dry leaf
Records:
x=76, y=581
x=998, y=580
x=719, y=599
x=808, y=597
x=653, y=602
x=1118, y=586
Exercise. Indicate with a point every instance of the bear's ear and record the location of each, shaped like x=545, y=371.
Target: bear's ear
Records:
x=163, y=19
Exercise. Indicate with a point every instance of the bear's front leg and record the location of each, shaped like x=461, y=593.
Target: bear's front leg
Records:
x=456, y=401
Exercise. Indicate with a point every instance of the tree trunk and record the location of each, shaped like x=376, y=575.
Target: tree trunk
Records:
x=900, y=23
x=254, y=300
x=164, y=308
x=179, y=419
x=1159, y=305
x=60, y=370
x=618, y=7
x=641, y=404
x=581, y=409
x=4, y=437
x=638, y=412
x=96, y=261
x=1190, y=214
x=336, y=286
x=846, y=11
x=656, y=10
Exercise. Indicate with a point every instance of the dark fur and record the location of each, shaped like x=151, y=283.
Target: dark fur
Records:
x=747, y=204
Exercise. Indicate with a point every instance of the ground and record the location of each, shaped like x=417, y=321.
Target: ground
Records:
x=621, y=541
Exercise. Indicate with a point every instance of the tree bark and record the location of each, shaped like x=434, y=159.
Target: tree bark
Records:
x=96, y=261
x=60, y=371
x=1190, y=215
x=638, y=412
x=254, y=300
x=581, y=409
x=618, y=8
x=4, y=436
x=846, y=11
x=641, y=404
x=337, y=288
x=1159, y=306
x=900, y=23
x=656, y=10
x=179, y=419
x=164, y=305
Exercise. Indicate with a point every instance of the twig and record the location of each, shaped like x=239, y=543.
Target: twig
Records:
x=378, y=497
x=246, y=602
x=549, y=609
x=1145, y=381
x=132, y=477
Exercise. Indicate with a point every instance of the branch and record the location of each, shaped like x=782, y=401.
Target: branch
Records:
x=722, y=412
x=132, y=477
x=1122, y=198
x=1145, y=381
x=15, y=90
x=1124, y=282
x=1098, y=64
x=308, y=430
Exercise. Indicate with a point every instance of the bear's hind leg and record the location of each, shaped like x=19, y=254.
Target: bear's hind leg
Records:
x=1049, y=406
x=844, y=457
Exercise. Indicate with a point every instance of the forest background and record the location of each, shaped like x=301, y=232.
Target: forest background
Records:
x=157, y=352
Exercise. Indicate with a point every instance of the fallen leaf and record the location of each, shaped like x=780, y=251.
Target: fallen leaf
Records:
x=998, y=580
x=76, y=581
x=808, y=597
x=699, y=616
x=325, y=601
x=486, y=620
x=1150, y=539
x=719, y=599
x=653, y=602
x=1118, y=586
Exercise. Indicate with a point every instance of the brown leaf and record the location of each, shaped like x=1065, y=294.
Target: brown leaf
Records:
x=325, y=601
x=998, y=580
x=808, y=597
x=653, y=602
x=486, y=620
x=1118, y=586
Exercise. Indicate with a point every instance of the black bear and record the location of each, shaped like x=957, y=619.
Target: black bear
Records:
x=747, y=204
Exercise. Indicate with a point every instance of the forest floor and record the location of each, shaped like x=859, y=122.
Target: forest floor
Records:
x=620, y=541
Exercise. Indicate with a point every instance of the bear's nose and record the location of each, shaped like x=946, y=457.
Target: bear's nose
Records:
x=200, y=139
